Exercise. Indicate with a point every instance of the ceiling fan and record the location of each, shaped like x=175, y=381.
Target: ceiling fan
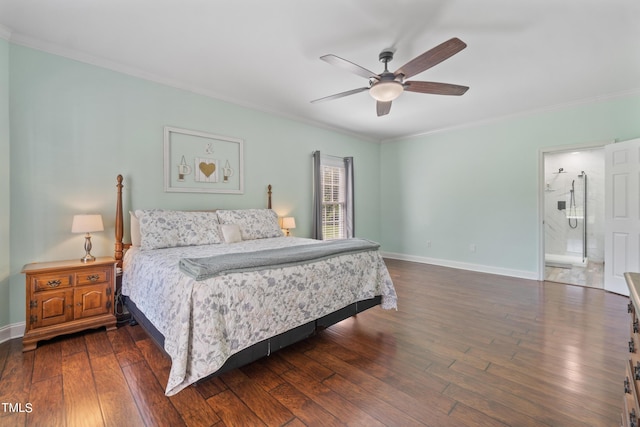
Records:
x=387, y=86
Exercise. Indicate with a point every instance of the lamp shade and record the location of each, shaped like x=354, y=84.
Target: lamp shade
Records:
x=386, y=90
x=87, y=223
x=288, y=222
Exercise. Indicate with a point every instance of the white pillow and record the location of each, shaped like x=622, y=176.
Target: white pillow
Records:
x=253, y=223
x=231, y=233
x=134, y=229
x=166, y=229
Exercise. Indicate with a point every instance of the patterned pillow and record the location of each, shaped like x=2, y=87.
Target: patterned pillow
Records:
x=253, y=223
x=167, y=229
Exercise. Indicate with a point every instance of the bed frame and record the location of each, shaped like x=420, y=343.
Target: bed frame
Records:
x=256, y=351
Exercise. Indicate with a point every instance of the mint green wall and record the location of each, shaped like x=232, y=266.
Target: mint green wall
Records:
x=75, y=127
x=4, y=183
x=479, y=185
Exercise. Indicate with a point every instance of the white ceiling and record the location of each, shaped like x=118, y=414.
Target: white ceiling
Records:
x=522, y=56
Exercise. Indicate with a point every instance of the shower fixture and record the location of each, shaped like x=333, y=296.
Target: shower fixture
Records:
x=560, y=170
x=572, y=214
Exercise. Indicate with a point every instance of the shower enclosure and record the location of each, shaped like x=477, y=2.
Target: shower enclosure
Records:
x=566, y=229
x=573, y=215
x=574, y=208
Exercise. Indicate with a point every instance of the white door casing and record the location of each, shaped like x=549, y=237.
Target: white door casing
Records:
x=622, y=213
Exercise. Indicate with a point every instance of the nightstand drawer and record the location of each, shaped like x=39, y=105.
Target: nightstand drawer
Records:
x=93, y=276
x=47, y=282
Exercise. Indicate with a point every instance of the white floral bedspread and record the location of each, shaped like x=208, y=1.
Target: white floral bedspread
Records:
x=206, y=322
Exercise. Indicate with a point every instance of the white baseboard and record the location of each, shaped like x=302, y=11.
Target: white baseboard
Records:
x=532, y=275
x=10, y=332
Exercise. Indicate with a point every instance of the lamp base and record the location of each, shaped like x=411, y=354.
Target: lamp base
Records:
x=88, y=258
x=87, y=248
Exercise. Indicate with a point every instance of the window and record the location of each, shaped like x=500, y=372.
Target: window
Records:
x=333, y=197
x=333, y=203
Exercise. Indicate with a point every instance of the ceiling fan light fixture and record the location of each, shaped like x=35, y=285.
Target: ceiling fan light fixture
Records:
x=386, y=91
x=387, y=86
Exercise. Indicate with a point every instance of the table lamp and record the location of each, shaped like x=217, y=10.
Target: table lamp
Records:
x=87, y=224
x=288, y=222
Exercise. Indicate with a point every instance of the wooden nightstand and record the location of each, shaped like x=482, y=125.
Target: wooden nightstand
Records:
x=68, y=296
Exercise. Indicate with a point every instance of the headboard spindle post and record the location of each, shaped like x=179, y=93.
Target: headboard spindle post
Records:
x=118, y=254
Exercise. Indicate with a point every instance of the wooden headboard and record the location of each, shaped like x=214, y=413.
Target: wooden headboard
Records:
x=121, y=247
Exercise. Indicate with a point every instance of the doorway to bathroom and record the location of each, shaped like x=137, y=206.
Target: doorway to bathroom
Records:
x=574, y=223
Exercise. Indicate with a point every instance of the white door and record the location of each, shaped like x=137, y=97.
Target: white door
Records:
x=622, y=213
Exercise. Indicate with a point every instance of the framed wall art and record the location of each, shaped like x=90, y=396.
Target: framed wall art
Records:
x=199, y=162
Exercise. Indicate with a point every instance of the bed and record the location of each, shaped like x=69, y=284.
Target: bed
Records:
x=220, y=289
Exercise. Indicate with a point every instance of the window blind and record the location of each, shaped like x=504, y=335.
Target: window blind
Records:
x=333, y=202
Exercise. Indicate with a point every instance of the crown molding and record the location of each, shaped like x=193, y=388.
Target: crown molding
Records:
x=83, y=57
x=524, y=114
x=5, y=33
x=86, y=58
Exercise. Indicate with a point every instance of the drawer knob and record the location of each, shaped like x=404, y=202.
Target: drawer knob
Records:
x=54, y=283
x=93, y=277
x=635, y=326
x=632, y=347
x=627, y=386
x=630, y=307
x=633, y=420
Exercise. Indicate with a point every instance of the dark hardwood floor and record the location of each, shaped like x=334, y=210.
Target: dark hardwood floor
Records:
x=464, y=349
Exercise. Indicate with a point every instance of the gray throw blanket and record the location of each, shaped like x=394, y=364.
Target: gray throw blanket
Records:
x=204, y=268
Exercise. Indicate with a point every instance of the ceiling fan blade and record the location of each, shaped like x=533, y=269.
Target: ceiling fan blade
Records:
x=435, y=88
x=431, y=57
x=383, y=108
x=349, y=66
x=340, y=95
